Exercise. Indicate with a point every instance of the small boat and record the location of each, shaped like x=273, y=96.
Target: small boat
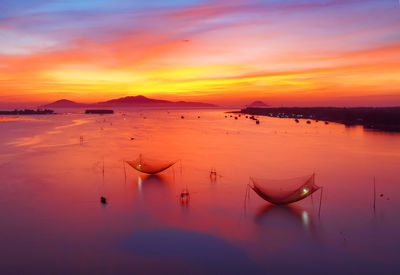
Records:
x=103, y=200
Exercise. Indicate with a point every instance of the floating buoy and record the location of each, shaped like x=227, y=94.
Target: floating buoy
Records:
x=182, y=117
x=326, y=122
x=297, y=121
x=308, y=122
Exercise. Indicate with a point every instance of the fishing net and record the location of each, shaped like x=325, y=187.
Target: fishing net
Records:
x=284, y=191
x=150, y=166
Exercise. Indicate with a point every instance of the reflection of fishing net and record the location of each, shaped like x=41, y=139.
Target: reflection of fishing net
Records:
x=150, y=166
x=284, y=191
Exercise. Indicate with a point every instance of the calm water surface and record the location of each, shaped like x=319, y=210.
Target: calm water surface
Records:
x=53, y=223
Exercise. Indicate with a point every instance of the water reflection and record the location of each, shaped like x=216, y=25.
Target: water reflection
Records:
x=276, y=235
x=152, y=186
x=286, y=217
x=153, y=199
x=197, y=252
x=151, y=180
x=140, y=182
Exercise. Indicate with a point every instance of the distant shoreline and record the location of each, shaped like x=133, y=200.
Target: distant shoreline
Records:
x=374, y=118
x=99, y=111
x=28, y=112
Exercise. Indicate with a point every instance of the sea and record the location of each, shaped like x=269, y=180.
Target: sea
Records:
x=55, y=168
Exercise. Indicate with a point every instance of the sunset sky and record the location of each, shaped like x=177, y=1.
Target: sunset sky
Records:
x=285, y=52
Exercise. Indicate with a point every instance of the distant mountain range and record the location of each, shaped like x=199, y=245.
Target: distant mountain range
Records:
x=64, y=103
x=129, y=101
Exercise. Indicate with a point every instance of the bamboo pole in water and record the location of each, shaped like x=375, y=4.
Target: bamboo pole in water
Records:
x=124, y=170
x=103, y=169
x=320, y=202
x=374, y=195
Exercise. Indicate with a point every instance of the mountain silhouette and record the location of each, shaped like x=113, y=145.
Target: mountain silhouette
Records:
x=129, y=101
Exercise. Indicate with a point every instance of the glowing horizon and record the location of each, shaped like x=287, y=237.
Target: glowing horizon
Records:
x=326, y=52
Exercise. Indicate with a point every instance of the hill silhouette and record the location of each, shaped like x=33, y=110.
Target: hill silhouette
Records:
x=129, y=101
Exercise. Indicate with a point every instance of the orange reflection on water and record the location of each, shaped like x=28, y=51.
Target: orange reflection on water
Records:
x=52, y=193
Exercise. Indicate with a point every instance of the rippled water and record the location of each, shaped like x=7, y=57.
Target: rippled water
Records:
x=53, y=222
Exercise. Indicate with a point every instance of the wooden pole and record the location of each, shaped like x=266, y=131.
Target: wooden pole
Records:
x=374, y=195
x=124, y=170
x=246, y=194
x=103, y=168
x=320, y=202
